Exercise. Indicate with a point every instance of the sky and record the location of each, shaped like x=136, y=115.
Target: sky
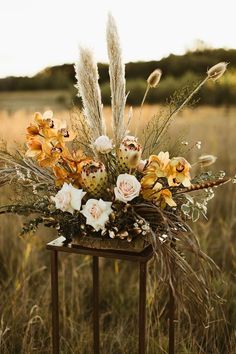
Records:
x=35, y=34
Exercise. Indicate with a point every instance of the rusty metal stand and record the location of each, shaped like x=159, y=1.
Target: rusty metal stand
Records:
x=55, y=309
x=96, y=304
x=171, y=322
x=58, y=245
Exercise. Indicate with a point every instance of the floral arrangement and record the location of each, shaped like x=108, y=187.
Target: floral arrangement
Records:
x=83, y=182
x=122, y=187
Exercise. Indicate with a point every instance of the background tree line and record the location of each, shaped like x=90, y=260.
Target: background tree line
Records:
x=178, y=71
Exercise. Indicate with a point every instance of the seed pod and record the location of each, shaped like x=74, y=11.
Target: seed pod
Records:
x=123, y=234
x=129, y=154
x=216, y=71
x=137, y=230
x=207, y=160
x=103, y=232
x=112, y=234
x=94, y=178
x=154, y=78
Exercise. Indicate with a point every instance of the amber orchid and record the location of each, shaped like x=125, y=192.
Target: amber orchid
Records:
x=61, y=175
x=155, y=169
x=149, y=191
x=50, y=128
x=164, y=197
x=44, y=120
x=179, y=172
x=35, y=149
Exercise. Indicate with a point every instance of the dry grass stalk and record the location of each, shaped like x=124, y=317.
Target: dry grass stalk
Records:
x=117, y=81
x=89, y=90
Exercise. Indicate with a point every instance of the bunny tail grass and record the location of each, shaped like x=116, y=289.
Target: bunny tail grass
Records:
x=89, y=90
x=117, y=81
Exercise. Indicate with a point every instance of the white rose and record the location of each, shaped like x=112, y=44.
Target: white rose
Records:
x=68, y=198
x=127, y=187
x=103, y=144
x=97, y=213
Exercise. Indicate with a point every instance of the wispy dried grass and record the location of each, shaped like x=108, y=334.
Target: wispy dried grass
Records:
x=89, y=90
x=117, y=80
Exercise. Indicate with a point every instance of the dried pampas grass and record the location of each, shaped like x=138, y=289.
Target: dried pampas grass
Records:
x=89, y=90
x=117, y=81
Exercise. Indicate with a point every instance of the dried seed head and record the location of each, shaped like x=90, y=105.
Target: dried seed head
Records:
x=124, y=234
x=216, y=71
x=154, y=78
x=112, y=234
x=207, y=160
x=103, y=232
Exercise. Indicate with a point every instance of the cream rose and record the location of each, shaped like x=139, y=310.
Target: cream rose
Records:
x=68, y=198
x=103, y=144
x=97, y=213
x=127, y=188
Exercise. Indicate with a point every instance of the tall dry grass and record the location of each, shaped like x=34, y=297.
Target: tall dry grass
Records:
x=25, y=320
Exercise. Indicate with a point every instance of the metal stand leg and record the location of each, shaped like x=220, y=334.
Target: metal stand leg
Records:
x=142, y=306
x=55, y=310
x=171, y=322
x=96, y=304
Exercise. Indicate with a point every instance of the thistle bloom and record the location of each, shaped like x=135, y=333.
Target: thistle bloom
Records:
x=154, y=78
x=97, y=213
x=127, y=188
x=68, y=198
x=216, y=71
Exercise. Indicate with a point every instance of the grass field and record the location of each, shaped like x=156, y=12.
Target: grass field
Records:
x=24, y=263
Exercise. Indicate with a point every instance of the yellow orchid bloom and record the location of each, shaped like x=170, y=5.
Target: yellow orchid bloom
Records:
x=179, y=172
x=35, y=149
x=61, y=176
x=164, y=197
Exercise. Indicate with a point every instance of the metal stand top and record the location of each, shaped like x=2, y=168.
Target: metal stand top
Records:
x=60, y=245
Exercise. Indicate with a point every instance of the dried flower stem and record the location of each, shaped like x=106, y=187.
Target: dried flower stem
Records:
x=141, y=109
x=175, y=112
